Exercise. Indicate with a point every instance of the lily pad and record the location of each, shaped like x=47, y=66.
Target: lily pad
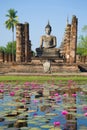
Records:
x=24, y=128
x=31, y=122
x=47, y=126
x=51, y=114
x=56, y=128
x=31, y=111
x=10, y=119
x=3, y=127
x=83, y=128
x=34, y=128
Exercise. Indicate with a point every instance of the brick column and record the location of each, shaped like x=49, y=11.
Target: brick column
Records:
x=18, y=43
x=5, y=57
x=27, y=43
x=73, y=41
x=23, y=44
x=10, y=57
x=68, y=32
x=1, y=56
x=66, y=43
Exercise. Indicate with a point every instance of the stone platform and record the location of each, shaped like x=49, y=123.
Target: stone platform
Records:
x=37, y=67
x=48, y=52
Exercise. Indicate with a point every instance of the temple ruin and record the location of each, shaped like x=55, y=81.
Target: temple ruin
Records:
x=23, y=43
x=69, y=43
x=66, y=59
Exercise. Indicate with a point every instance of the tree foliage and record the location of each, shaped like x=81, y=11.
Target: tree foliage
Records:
x=10, y=23
x=84, y=29
x=12, y=19
x=2, y=49
x=82, y=43
x=8, y=48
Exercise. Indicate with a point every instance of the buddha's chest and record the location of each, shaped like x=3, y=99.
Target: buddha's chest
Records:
x=48, y=39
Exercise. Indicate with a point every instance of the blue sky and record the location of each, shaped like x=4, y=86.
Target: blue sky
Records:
x=38, y=12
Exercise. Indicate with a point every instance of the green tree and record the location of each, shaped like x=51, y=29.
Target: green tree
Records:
x=11, y=23
x=9, y=47
x=2, y=49
x=84, y=29
x=82, y=43
x=82, y=46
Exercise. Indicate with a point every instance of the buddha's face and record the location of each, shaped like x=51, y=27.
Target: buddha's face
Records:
x=48, y=31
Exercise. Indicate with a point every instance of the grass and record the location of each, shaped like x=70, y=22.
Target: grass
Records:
x=42, y=79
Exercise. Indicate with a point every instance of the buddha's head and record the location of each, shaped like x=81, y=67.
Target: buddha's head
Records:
x=48, y=29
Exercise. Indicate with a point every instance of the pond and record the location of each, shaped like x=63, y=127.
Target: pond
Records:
x=48, y=106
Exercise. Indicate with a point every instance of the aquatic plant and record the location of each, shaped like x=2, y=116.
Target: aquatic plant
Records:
x=41, y=106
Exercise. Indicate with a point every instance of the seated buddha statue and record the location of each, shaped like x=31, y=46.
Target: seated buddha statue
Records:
x=48, y=43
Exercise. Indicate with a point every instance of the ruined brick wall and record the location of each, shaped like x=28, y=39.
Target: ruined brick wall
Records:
x=19, y=42
x=27, y=43
x=69, y=43
x=73, y=39
x=1, y=56
x=6, y=57
x=23, y=44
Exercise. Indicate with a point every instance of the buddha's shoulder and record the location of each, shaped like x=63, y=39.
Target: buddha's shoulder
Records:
x=53, y=36
x=43, y=36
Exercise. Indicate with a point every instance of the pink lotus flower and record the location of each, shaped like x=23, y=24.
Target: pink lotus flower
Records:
x=81, y=93
x=23, y=100
x=26, y=84
x=56, y=124
x=12, y=93
x=35, y=101
x=35, y=114
x=1, y=91
x=56, y=94
x=58, y=99
x=1, y=85
x=17, y=88
x=64, y=112
x=74, y=94
x=85, y=114
x=52, y=97
x=65, y=95
x=84, y=108
x=25, y=93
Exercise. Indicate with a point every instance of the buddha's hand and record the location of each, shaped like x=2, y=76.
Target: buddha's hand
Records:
x=40, y=47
